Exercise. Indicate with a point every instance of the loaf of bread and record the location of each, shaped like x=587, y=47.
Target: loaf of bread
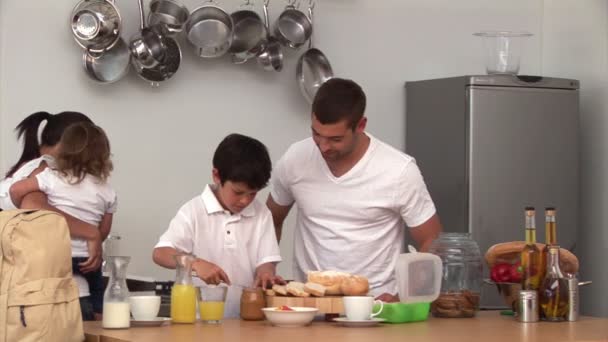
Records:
x=314, y=289
x=509, y=252
x=354, y=285
x=279, y=289
x=296, y=288
x=332, y=280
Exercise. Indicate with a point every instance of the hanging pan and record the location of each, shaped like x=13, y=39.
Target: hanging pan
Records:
x=209, y=30
x=108, y=66
x=271, y=57
x=313, y=68
x=169, y=14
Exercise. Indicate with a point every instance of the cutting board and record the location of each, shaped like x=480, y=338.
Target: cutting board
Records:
x=326, y=305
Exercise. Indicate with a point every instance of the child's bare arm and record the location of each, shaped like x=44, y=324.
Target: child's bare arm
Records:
x=21, y=188
x=105, y=225
x=78, y=229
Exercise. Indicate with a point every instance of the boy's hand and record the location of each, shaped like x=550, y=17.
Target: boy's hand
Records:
x=265, y=276
x=95, y=259
x=209, y=272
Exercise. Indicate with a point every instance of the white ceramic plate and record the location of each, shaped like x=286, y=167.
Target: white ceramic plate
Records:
x=156, y=322
x=365, y=323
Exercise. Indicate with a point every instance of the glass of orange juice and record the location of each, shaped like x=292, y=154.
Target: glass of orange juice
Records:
x=211, y=299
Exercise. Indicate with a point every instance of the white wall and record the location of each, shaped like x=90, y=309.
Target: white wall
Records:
x=576, y=46
x=163, y=139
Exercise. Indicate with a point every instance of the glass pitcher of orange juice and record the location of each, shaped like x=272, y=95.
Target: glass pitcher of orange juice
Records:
x=183, y=293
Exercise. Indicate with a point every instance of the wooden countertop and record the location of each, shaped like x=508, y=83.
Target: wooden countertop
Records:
x=487, y=326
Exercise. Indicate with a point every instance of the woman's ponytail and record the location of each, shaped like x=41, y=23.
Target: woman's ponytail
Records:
x=28, y=129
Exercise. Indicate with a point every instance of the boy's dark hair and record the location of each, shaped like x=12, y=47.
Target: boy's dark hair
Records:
x=51, y=134
x=339, y=99
x=239, y=158
x=84, y=149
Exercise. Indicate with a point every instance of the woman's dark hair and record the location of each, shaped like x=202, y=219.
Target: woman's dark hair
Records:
x=239, y=158
x=339, y=99
x=84, y=149
x=51, y=134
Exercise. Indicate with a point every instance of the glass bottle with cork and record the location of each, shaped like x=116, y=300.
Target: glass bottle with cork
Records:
x=550, y=237
x=554, y=289
x=531, y=255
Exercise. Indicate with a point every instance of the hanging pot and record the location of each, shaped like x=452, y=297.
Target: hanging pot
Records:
x=248, y=34
x=313, y=68
x=293, y=28
x=147, y=46
x=271, y=57
x=165, y=70
x=108, y=66
x=96, y=25
x=209, y=30
x=169, y=14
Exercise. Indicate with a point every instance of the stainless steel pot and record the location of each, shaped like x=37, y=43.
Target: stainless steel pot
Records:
x=209, y=30
x=293, y=28
x=313, y=68
x=96, y=24
x=248, y=34
x=108, y=66
x=271, y=57
x=168, y=68
x=169, y=14
x=147, y=46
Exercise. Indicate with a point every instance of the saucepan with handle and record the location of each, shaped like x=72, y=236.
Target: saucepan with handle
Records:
x=313, y=68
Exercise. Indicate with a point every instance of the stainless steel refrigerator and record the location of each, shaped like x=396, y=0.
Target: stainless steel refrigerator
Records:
x=490, y=145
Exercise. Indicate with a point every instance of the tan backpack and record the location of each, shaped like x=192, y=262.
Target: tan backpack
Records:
x=38, y=296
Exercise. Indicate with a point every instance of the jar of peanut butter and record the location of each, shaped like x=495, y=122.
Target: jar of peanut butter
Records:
x=252, y=303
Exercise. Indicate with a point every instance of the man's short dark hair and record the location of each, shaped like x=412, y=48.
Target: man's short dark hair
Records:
x=239, y=158
x=339, y=99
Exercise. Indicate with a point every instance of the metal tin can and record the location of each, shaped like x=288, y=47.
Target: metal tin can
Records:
x=573, y=300
x=528, y=306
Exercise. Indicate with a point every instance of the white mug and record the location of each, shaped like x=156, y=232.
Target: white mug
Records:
x=359, y=308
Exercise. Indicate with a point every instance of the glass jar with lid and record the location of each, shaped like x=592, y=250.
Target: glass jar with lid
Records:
x=462, y=275
x=252, y=303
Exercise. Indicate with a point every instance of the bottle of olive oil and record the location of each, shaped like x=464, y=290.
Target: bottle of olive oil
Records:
x=550, y=238
x=530, y=255
x=554, y=289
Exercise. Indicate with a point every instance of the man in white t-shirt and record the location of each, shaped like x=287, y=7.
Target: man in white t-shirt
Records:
x=229, y=232
x=353, y=193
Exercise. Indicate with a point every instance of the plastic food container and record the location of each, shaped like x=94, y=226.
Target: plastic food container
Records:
x=503, y=50
x=418, y=276
x=404, y=313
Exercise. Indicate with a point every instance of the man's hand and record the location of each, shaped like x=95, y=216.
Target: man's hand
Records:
x=265, y=276
x=388, y=298
x=94, y=260
x=209, y=272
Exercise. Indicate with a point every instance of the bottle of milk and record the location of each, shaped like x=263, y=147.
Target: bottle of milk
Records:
x=116, y=310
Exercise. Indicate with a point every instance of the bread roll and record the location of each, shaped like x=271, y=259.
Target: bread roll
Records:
x=314, y=289
x=354, y=286
x=332, y=280
x=509, y=252
x=297, y=289
x=279, y=289
x=270, y=292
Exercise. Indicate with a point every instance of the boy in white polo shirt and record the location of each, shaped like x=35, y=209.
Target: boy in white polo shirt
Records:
x=230, y=233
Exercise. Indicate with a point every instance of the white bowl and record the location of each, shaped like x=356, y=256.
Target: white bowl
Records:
x=144, y=308
x=297, y=318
